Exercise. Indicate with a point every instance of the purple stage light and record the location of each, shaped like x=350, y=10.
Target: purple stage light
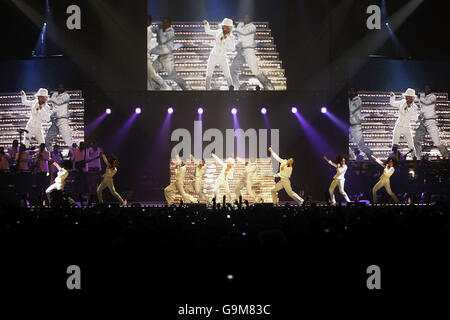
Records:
x=138, y=110
x=200, y=110
x=108, y=110
x=170, y=110
x=233, y=110
x=263, y=110
x=323, y=110
x=294, y=110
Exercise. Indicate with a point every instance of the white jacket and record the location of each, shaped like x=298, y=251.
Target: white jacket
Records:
x=428, y=106
x=60, y=104
x=221, y=46
x=340, y=170
x=387, y=172
x=285, y=170
x=406, y=113
x=246, y=34
x=224, y=174
x=354, y=107
x=36, y=116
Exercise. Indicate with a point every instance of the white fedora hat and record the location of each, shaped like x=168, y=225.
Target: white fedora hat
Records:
x=42, y=92
x=409, y=93
x=226, y=23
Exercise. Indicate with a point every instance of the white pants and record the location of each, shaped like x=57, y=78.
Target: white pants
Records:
x=108, y=183
x=171, y=189
x=153, y=76
x=406, y=132
x=167, y=62
x=59, y=125
x=198, y=187
x=221, y=182
x=214, y=60
x=385, y=183
x=333, y=186
x=33, y=131
x=248, y=183
x=285, y=184
x=429, y=126
x=356, y=136
x=244, y=55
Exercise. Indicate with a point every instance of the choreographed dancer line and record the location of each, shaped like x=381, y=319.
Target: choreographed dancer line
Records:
x=180, y=173
x=285, y=182
x=40, y=112
x=247, y=179
x=225, y=174
x=339, y=177
x=384, y=181
x=108, y=182
x=199, y=173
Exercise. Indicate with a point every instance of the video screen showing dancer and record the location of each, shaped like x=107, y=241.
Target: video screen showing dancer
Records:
x=231, y=54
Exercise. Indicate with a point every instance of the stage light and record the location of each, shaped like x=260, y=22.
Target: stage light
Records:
x=233, y=110
x=138, y=110
x=294, y=110
x=108, y=110
x=263, y=110
x=323, y=110
x=170, y=110
x=387, y=24
x=200, y=110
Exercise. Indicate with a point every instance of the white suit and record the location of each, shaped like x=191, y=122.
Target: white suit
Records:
x=38, y=115
x=384, y=182
x=198, y=180
x=152, y=75
x=169, y=191
x=428, y=119
x=338, y=180
x=108, y=182
x=284, y=183
x=402, y=125
x=222, y=179
x=218, y=55
x=59, y=180
x=246, y=53
x=60, y=120
x=165, y=60
x=247, y=180
x=355, y=129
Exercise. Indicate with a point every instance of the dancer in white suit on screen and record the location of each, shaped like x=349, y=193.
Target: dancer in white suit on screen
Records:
x=40, y=113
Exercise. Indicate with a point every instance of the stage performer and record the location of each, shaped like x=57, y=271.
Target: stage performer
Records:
x=180, y=173
x=111, y=169
x=285, y=183
x=246, y=53
x=40, y=112
x=355, y=129
x=199, y=173
x=63, y=172
x=384, y=181
x=339, y=177
x=428, y=123
x=408, y=112
x=223, y=41
x=152, y=75
x=224, y=176
x=247, y=179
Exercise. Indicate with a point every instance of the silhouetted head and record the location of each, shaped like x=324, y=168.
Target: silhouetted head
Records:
x=42, y=147
x=61, y=88
x=67, y=164
x=290, y=161
x=15, y=143
x=352, y=92
x=427, y=89
x=247, y=19
x=166, y=23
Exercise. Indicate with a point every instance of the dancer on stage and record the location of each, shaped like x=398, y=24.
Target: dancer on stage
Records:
x=285, y=182
x=223, y=41
x=225, y=174
x=339, y=177
x=428, y=123
x=59, y=117
x=247, y=179
x=246, y=53
x=40, y=112
x=355, y=129
x=385, y=178
x=152, y=75
x=199, y=173
x=111, y=169
x=408, y=112
x=180, y=173
x=63, y=172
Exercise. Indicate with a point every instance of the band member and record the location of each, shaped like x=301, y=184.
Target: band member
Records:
x=80, y=159
x=42, y=158
x=59, y=118
x=4, y=160
x=284, y=174
x=22, y=159
x=408, y=112
x=225, y=174
x=152, y=75
x=180, y=173
x=57, y=157
x=223, y=41
x=384, y=181
x=247, y=179
x=246, y=53
x=339, y=177
x=63, y=172
x=199, y=173
x=14, y=149
x=111, y=169
x=40, y=112
x=355, y=129
x=165, y=61
x=428, y=123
